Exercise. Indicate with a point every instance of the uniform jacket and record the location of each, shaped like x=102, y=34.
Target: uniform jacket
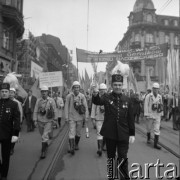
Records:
x=118, y=118
x=26, y=104
x=9, y=119
x=44, y=104
x=59, y=106
x=149, y=101
x=70, y=111
x=96, y=112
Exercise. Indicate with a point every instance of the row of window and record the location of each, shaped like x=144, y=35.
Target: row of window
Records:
x=150, y=38
x=149, y=18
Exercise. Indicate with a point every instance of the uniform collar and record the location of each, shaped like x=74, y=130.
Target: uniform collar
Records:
x=116, y=95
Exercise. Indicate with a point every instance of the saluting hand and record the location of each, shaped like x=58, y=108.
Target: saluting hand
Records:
x=131, y=139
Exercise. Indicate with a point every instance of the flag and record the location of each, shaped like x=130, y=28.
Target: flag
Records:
x=148, y=79
x=87, y=81
x=177, y=69
x=133, y=80
x=169, y=70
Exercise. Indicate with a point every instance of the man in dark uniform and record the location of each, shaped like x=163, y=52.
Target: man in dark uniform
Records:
x=9, y=127
x=118, y=127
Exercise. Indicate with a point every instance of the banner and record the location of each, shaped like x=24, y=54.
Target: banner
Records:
x=156, y=51
x=51, y=79
x=35, y=70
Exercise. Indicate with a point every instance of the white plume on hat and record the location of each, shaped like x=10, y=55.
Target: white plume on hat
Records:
x=11, y=78
x=122, y=69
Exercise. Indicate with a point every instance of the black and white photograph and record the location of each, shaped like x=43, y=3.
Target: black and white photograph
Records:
x=89, y=89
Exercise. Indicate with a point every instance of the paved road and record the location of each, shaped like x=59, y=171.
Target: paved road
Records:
x=86, y=165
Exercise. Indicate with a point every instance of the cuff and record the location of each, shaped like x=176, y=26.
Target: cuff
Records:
x=16, y=133
x=132, y=132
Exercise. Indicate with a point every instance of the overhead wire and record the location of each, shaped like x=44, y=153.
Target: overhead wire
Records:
x=165, y=6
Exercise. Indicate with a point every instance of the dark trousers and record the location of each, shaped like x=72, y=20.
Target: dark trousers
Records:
x=122, y=150
x=29, y=121
x=174, y=117
x=5, y=153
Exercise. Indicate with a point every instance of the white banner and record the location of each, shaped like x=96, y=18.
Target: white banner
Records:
x=51, y=79
x=35, y=70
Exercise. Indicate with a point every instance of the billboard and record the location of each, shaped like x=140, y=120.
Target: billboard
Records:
x=35, y=70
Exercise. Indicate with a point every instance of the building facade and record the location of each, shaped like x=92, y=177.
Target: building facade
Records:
x=11, y=29
x=146, y=28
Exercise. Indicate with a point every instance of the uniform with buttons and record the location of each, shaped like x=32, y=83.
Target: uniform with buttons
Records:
x=9, y=126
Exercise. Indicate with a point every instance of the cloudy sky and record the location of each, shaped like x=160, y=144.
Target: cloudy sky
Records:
x=67, y=19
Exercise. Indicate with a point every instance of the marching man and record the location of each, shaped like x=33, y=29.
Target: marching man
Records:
x=44, y=115
x=75, y=109
x=153, y=109
x=118, y=127
x=97, y=115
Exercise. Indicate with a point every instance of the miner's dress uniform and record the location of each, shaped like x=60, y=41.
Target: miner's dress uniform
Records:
x=9, y=126
x=118, y=123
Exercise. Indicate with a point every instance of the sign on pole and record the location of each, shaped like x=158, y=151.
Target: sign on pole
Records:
x=51, y=79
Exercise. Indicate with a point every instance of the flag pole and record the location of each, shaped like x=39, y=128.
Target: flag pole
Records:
x=179, y=96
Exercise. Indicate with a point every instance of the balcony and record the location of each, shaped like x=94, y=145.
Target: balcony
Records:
x=13, y=18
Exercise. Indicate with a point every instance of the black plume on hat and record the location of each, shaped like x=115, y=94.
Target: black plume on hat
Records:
x=5, y=86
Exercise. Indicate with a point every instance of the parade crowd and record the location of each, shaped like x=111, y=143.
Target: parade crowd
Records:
x=113, y=113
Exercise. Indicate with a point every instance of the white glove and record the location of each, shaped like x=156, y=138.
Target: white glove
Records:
x=14, y=139
x=131, y=139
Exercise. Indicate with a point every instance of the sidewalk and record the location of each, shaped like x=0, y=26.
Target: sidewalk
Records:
x=26, y=157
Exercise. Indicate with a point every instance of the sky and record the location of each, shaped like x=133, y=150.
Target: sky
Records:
x=67, y=19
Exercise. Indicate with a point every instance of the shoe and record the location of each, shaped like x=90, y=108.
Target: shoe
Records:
x=77, y=138
x=12, y=152
x=156, y=139
x=44, y=150
x=148, y=138
x=100, y=144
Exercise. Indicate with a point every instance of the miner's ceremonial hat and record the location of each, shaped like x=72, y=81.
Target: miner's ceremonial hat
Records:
x=5, y=86
x=119, y=72
x=117, y=78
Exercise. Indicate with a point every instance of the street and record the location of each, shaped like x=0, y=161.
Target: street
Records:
x=85, y=164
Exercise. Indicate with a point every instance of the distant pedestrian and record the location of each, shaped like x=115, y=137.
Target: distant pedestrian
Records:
x=44, y=115
x=28, y=107
x=75, y=111
x=59, y=106
x=9, y=127
x=153, y=110
x=175, y=105
x=12, y=97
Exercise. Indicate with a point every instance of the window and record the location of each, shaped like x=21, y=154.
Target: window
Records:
x=149, y=38
x=175, y=23
x=19, y=5
x=137, y=38
x=149, y=18
x=166, y=22
x=6, y=38
x=167, y=39
x=176, y=40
